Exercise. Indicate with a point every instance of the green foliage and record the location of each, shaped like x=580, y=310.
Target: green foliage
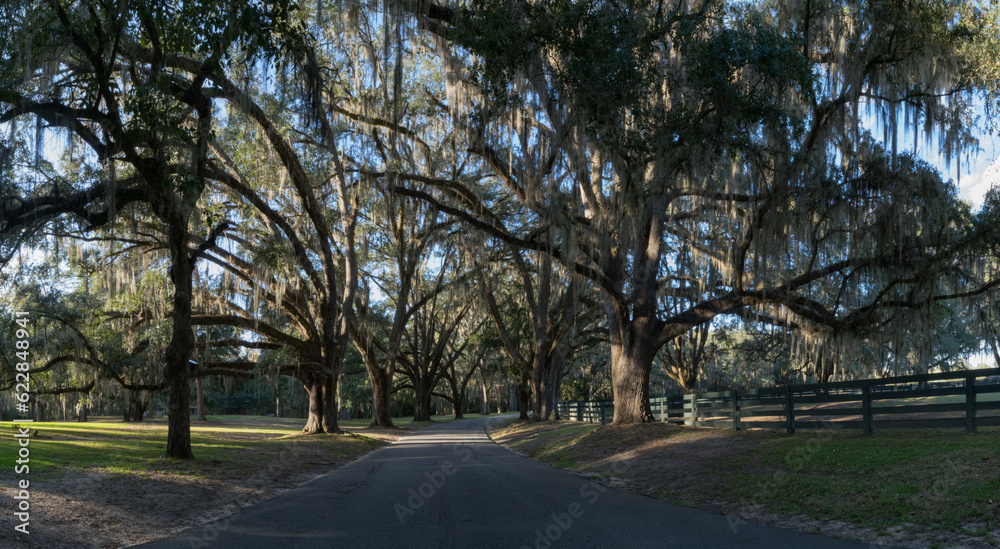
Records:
x=614, y=62
x=736, y=135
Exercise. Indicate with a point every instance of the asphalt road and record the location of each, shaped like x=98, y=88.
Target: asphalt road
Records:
x=451, y=486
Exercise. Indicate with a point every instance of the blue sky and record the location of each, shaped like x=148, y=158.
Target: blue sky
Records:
x=982, y=172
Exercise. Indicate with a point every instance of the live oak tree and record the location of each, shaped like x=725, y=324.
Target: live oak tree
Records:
x=147, y=127
x=684, y=357
x=737, y=138
x=58, y=371
x=357, y=103
x=323, y=252
x=684, y=160
x=405, y=234
x=411, y=145
x=290, y=270
x=538, y=322
x=357, y=111
x=440, y=331
x=483, y=346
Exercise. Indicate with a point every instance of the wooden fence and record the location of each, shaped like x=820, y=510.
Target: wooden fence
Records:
x=966, y=399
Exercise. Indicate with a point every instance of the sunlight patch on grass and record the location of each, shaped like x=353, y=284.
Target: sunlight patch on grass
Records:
x=138, y=449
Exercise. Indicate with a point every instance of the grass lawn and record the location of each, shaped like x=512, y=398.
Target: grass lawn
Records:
x=112, y=446
x=939, y=399
x=942, y=479
x=939, y=482
x=404, y=421
x=229, y=445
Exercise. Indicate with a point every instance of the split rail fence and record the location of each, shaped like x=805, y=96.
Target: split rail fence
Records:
x=966, y=399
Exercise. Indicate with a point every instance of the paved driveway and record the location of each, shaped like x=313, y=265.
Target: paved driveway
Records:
x=451, y=486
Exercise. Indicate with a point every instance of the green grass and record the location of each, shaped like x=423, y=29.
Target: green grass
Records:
x=939, y=399
x=405, y=421
x=941, y=480
x=235, y=443
x=567, y=434
x=936, y=478
x=549, y=446
x=210, y=417
x=116, y=447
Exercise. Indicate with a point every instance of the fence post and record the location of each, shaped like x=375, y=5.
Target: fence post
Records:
x=579, y=412
x=602, y=412
x=736, y=411
x=866, y=407
x=663, y=409
x=693, y=420
x=970, y=402
x=790, y=408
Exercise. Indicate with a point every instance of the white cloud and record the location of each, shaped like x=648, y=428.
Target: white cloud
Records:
x=973, y=186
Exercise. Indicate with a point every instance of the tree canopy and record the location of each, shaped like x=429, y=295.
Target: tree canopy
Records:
x=262, y=190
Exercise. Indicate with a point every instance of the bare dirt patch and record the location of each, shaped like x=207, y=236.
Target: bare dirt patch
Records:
x=81, y=508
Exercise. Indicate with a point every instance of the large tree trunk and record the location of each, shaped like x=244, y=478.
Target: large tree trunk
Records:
x=381, y=397
x=555, y=383
x=314, y=421
x=632, y=354
x=200, y=391
x=484, y=405
x=178, y=353
x=423, y=395
x=540, y=388
x=630, y=370
x=179, y=410
x=546, y=384
x=322, y=390
x=458, y=401
x=523, y=399
x=135, y=409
